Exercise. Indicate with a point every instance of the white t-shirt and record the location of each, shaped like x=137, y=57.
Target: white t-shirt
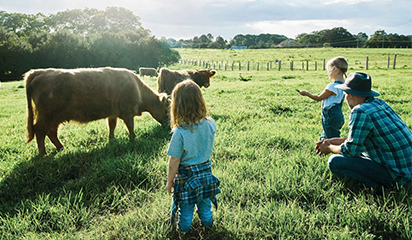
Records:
x=333, y=100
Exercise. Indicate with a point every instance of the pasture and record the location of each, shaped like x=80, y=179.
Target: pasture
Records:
x=273, y=184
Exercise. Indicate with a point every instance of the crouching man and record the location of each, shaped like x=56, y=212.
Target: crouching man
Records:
x=378, y=149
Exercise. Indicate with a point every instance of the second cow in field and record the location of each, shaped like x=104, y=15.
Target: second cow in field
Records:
x=55, y=96
x=151, y=72
x=169, y=78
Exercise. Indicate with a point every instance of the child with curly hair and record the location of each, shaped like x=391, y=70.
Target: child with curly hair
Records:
x=189, y=176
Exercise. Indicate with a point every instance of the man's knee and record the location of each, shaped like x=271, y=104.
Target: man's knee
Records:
x=334, y=162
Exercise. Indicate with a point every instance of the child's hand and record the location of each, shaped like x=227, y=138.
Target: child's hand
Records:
x=303, y=93
x=169, y=187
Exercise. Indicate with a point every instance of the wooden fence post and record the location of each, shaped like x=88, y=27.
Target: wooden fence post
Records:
x=291, y=66
x=389, y=58
x=324, y=65
x=267, y=66
x=307, y=65
x=394, y=61
x=248, y=65
x=240, y=67
x=316, y=66
x=367, y=62
x=257, y=67
x=303, y=66
x=280, y=63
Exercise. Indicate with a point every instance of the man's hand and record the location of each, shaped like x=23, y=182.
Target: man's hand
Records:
x=322, y=147
x=326, y=146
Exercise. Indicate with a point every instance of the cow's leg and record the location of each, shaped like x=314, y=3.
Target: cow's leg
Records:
x=54, y=139
x=130, y=125
x=112, y=122
x=40, y=136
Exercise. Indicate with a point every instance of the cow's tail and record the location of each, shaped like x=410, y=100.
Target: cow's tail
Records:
x=28, y=77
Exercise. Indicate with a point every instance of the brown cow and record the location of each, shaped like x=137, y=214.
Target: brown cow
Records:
x=85, y=95
x=169, y=78
x=151, y=72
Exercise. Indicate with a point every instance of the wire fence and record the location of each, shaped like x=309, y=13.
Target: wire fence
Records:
x=389, y=63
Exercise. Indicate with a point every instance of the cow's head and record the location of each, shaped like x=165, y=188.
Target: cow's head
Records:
x=160, y=111
x=202, y=77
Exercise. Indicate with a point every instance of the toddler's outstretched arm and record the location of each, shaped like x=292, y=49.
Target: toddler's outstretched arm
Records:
x=325, y=94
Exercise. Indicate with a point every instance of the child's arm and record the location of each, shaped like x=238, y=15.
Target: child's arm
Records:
x=325, y=94
x=173, y=167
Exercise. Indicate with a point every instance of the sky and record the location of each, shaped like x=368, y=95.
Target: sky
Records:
x=185, y=19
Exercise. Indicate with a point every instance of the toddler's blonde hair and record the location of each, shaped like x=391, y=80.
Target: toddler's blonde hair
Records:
x=188, y=106
x=340, y=63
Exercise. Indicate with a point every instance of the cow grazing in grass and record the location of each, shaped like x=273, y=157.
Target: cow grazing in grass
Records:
x=151, y=72
x=169, y=78
x=55, y=96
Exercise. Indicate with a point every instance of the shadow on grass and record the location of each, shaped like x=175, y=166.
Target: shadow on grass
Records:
x=197, y=232
x=91, y=173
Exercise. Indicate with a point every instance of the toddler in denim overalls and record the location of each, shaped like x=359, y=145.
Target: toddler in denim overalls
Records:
x=332, y=98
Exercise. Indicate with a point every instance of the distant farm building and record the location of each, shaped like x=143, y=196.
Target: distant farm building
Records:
x=238, y=47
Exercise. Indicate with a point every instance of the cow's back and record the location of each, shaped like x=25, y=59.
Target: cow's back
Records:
x=169, y=78
x=83, y=95
x=148, y=72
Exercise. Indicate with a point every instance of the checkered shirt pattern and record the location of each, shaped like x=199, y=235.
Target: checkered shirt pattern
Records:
x=375, y=130
x=193, y=184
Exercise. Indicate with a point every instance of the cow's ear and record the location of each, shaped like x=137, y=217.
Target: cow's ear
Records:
x=196, y=76
x=212, y=73
x=165, y=99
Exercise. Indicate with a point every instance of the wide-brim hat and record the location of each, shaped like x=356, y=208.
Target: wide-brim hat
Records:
x=358, y=84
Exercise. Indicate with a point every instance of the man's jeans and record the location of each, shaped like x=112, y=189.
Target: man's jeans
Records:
x=363, y=169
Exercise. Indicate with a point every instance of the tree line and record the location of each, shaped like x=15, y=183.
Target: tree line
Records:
x=335, y=37
x=249, y=40
x=78, y=38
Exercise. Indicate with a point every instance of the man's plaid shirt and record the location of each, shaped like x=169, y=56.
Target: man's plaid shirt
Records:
x=376, y=131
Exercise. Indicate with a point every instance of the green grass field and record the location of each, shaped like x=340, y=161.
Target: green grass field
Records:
x=273, y=185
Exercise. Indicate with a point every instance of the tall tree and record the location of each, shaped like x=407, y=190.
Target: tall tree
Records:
x=361, y=38
x=114, y=19
x=311, y=40
x=204, y=41
x=337, y=37
x=23, y=24
x=377, y=39
x=14, y=54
